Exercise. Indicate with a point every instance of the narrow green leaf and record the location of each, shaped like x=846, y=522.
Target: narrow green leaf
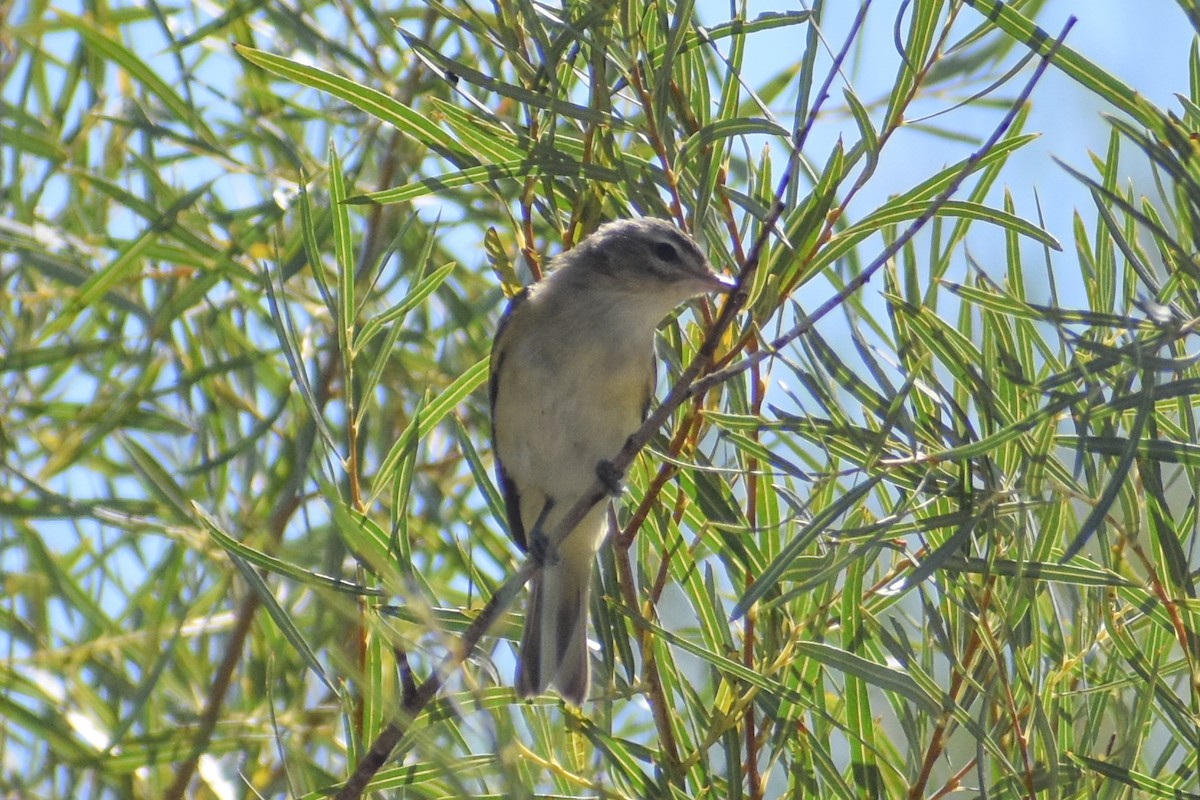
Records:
x=769, y=579
x=122, y=56
x=371, y=101
x=270, y=563
x=427, y=286
x=889, y=679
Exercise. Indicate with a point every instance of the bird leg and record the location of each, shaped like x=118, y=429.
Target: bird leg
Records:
x=539, y=542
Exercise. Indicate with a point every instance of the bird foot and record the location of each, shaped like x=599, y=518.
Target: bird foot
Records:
x=611, y=478
x=540, y=549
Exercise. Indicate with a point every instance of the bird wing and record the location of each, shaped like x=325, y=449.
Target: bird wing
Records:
x=651, y=385
x=508, y=489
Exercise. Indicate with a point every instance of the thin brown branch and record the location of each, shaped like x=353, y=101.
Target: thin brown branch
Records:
x=806, y=324
x=381, y=749
x=290, y=496
x=689, y=385
x=285, y=507
x=936, y=743
x=391, y=735
x=216, y=696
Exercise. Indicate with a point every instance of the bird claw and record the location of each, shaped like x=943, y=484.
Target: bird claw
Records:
x=610, y=477
x=540, y=549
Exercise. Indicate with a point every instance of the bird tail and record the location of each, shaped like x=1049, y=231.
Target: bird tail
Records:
x=554, y=642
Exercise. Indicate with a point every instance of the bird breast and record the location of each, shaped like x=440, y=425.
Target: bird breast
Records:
x=582, y=396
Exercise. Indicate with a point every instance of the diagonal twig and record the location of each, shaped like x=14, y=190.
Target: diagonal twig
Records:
x=689, y=385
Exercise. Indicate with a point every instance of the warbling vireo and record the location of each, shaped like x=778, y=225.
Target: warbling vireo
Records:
x=572, y=377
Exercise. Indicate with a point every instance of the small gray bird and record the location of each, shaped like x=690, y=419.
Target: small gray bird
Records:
x=572, y=375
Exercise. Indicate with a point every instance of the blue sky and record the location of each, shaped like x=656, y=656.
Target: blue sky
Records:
x=1145, y=43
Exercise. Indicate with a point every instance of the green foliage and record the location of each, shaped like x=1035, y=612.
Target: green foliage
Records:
x=247, y=291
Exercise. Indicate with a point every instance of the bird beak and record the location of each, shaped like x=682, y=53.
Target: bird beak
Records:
x=721, y=283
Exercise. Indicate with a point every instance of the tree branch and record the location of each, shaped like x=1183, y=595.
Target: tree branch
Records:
x=689, y=385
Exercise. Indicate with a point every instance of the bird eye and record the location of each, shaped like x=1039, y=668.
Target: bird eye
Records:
x=666, y=252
